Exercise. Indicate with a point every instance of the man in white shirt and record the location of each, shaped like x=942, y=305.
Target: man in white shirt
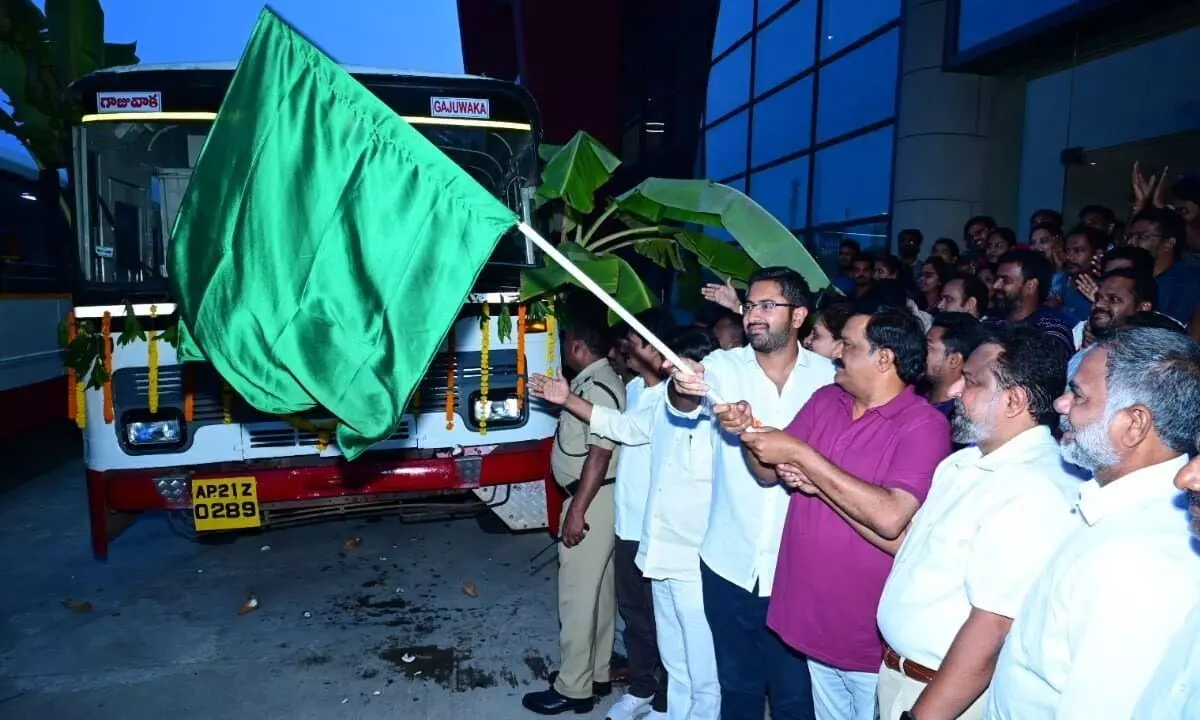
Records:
x=741, y=546
x=1100, y=616
x=676, y=519
x=996, y=513
x=635, y=600
x=1174, y=691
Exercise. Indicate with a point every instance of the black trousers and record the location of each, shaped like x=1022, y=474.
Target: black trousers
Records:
x=753, y=664
x=636, y=605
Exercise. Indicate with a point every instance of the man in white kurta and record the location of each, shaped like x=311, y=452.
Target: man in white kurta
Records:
x=1174, y=691
x=996, y=513
x=1097, y=621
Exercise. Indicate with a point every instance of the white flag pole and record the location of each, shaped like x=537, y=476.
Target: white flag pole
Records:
x=612, y=304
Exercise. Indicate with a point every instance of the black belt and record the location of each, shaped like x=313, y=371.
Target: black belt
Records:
x=573, y=488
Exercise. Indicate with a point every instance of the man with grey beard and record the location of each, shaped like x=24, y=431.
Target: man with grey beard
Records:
x=995, y=514
x=1104, y=609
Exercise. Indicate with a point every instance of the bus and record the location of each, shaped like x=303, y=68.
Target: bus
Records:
x=161, y=435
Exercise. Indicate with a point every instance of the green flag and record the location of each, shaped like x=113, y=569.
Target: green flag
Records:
x=324, y=247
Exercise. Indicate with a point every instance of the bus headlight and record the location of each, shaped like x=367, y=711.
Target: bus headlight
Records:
x=154, y=432
x=142, y=432
x=501, y=408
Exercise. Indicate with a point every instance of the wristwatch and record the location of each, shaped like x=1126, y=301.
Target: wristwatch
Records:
x=907, y=715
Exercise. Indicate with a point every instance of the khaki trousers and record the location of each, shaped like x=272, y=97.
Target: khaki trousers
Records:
x=896, y=693
x=586, y=612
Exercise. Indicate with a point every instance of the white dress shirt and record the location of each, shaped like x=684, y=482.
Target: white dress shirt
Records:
x=680, y=486
x=1097, y=621
x=634, y=464
x=1174, y=691
x=745, y=522
x=988, y=527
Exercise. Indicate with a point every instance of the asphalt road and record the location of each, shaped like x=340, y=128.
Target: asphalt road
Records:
x=384, y=630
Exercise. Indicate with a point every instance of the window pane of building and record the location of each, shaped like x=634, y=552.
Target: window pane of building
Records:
x=785, y=47
x=768, y=7
x=782, y=123
x=983, y=20
x=844, y=21
x=729, y=83
x=725, y=147
x=733, y=22
x=852, y=179
x=859, y=89
x=783, y=191
x=871, y=237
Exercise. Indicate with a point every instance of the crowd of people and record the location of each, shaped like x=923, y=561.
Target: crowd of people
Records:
x=958, y=488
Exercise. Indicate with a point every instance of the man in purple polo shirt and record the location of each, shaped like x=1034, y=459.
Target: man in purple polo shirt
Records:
x=861, y=453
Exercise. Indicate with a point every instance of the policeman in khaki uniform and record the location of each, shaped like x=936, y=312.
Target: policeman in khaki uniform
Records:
x=585, y=465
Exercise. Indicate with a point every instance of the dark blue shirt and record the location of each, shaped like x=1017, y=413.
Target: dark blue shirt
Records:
x=1179, y=291
x=1075, y=307
x=1051, y=322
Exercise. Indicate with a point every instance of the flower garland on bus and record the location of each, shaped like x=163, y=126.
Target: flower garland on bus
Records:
x=152, y=361
x=551, y=339
x=324, y=433
x=485, y=328
x=226, y=402
x=451, y=344
x=76, y=389
x=107, y=352
x=189, y=392
x=521, y=313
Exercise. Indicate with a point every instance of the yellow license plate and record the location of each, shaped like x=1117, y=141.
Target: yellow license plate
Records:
x=225, y=503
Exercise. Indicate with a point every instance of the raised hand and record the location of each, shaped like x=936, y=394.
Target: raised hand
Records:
x=1085, y=283
x=554, y=390
x=724, y=295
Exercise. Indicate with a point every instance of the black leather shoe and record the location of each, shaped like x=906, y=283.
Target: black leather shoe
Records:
x=600, y=690
x=552, y=702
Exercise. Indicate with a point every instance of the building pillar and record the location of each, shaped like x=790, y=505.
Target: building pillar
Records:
x=941, y=132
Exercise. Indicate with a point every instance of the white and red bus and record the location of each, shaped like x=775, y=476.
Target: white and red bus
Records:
x=161, y=435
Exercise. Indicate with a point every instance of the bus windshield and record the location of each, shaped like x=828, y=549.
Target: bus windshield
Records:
x=131, y=177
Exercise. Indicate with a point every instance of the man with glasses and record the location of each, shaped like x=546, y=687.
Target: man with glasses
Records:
x=776, y=376
x=1163, y=233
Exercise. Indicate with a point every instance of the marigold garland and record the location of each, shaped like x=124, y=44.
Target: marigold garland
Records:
x=107, y=349
x=484, y=356
x=521, y=356
x=551, y=337
x=81, y=405
x=72, y=381
x=451, y=344
x=152, y=379
x=324, y=433
x=189, y=393
x=226, y=402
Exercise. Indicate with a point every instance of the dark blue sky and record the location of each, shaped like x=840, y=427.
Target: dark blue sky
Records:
x=413, y=34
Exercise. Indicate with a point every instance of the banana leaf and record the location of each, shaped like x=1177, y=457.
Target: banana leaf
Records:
x=576, y=171
x=119, y=54
x=730, y=262
x=767, y=241
x=76, y=29
x=615, y=276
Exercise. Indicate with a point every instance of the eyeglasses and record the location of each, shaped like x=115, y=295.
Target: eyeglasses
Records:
x=1139, y=236
x=767, y=306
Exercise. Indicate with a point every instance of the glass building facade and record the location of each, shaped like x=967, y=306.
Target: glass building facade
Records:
x=801, y=111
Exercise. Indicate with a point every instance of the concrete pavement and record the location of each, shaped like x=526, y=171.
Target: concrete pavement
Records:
x=381, y=631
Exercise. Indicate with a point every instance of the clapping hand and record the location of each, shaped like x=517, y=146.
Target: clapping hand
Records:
x=724, y=295
x=554, y=390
